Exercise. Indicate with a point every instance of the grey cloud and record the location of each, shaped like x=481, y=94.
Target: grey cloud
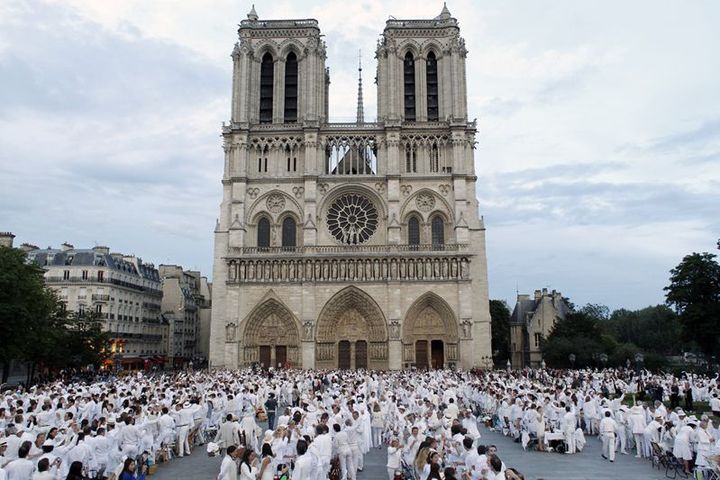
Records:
x=61, y=62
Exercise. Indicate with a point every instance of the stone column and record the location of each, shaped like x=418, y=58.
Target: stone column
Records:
x=421, y=89
x=279, y=91
x=352, y=355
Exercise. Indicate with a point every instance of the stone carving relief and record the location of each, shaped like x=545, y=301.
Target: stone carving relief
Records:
x=275, y=203
x=298, y=191
x=348, y=269
x=425, y=202
x=466, y=328
x=394, y=330
x=444, y=189
x=380, y=187
x=253, y=192
x=308, y=331
x=322, y=188
x=406, y=189
x=230, y=329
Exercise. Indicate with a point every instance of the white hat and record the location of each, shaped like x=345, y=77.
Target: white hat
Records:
x=186, y=405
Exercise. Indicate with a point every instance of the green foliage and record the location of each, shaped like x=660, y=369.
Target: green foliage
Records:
x=579, y=333
x=652, y=329
x=694, y=293
x=34, y=327
x=500, y=318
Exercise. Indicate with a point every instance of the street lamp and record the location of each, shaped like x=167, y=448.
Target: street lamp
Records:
x=639, y=359
x=603, y=359
x=508, y=365
x=571, y=357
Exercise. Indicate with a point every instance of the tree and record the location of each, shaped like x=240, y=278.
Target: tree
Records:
x=694, y=293
x=26, y=307
x=500, y=324
x=579, y=334
x=652, y=329
x=35, y=328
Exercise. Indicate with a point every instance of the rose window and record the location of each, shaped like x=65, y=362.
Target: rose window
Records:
x=352, y=219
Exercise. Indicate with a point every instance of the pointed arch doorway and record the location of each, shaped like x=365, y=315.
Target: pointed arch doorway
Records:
x=271, y=336
x=430, y=334
x=351, y=332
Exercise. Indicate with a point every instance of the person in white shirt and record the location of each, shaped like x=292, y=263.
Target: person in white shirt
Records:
x=304, y=464
x=323, y=447
x=248, y=466
x=394, y=453
x=569, y=423
x=228, y=467
x=21, y=468
x=608, y=433
x=344, y=452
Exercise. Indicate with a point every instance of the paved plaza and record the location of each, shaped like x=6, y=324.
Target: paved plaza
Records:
x=587, y=465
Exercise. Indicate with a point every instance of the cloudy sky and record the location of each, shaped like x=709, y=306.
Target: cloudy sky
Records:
x=599, y=128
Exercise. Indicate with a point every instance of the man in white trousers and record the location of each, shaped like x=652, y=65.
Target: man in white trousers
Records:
x=608, y=434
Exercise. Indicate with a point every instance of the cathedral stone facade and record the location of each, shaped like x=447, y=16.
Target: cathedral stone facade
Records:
x=349, y=245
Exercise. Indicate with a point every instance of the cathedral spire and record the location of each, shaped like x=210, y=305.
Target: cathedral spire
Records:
x=360, y=109
x=252, y=16
x=444, y=14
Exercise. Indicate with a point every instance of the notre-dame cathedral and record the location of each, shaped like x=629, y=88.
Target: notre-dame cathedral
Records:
x=349, y=245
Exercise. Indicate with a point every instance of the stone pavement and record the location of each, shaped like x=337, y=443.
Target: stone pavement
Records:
x=587, y=465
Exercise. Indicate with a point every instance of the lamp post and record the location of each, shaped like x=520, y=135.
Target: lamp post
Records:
x=508, y=365
x=571, y=357
x=603, y=359
x=639, y=359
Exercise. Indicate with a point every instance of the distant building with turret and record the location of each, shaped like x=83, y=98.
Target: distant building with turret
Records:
x=532, y=320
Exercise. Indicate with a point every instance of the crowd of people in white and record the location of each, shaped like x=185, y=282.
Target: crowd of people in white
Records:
x=318, y=424
x=555, y=410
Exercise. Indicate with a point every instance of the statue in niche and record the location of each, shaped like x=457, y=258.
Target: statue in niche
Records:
x=394, y=330
x=308, y=330
x=467, y=328
x=230, y=332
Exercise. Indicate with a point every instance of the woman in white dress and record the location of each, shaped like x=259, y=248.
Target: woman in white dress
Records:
x=267, y=464
x=248, y=467
x=681, y=449
x=704, y=444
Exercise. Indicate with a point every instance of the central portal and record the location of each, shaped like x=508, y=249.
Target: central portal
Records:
x=351, y=333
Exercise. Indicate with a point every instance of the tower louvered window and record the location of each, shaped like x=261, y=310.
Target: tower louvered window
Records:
x=409, y=84
x=432, y=87
x=267, y=69
x=291, y=88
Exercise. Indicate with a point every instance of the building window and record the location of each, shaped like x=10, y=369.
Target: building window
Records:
x=438, y=230
x=263, y=233
x=413, y=231
x=267, y=71
x=434, y=158
x=84, y=274
x=538, y=336
x=291, y=88
x=289, y=232
x=409, y=84
x=98, y=308
x=431, y=78
x=66, y=275
x=101, y=276
x=410, y=159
